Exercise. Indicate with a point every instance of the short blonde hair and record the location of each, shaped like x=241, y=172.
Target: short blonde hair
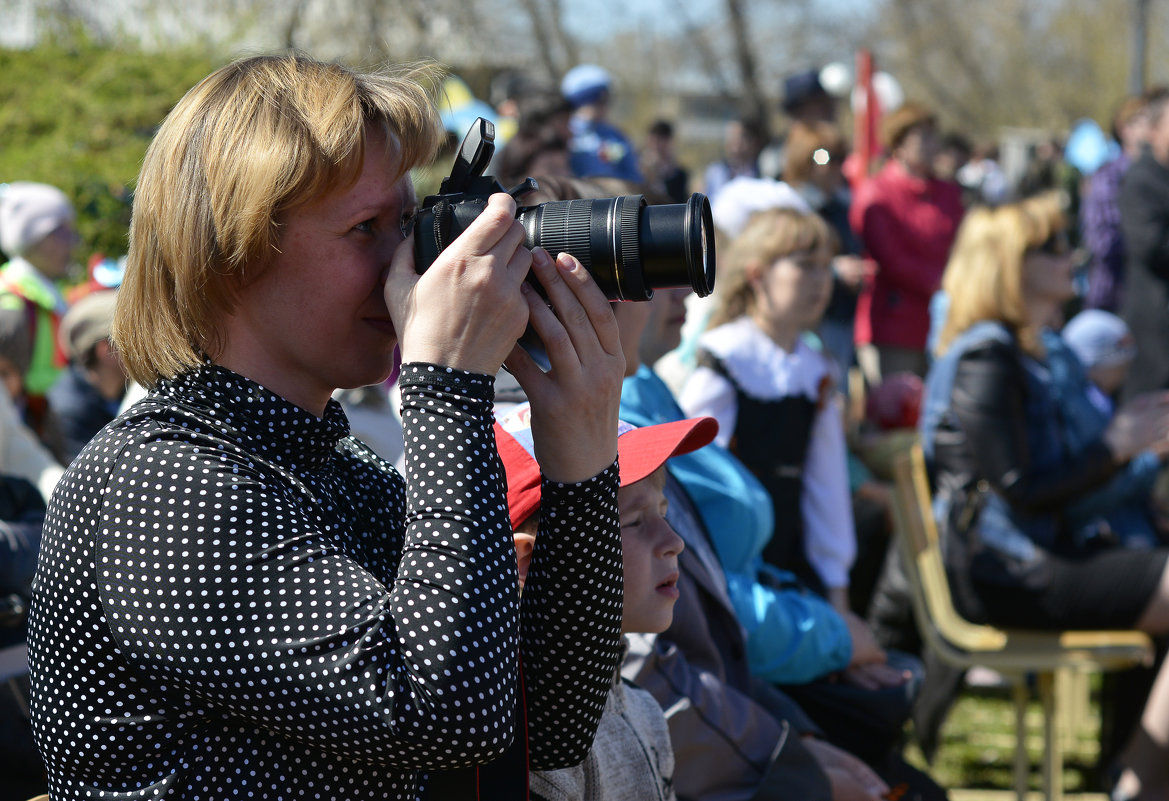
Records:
x=984, y=277
x=250, y=142
x=769, y=236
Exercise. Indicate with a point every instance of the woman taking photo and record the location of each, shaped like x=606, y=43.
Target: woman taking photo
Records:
x=1005, y=475
x=237, y=599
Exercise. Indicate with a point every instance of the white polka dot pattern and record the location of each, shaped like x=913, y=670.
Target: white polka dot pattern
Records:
x=237, y=599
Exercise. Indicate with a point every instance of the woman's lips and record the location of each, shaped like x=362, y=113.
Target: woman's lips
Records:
x=385, y=325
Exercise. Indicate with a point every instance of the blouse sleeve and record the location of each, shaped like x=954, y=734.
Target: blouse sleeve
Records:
x=571, y=618
x=826, y=502
x=224, y=583
x=706, y=393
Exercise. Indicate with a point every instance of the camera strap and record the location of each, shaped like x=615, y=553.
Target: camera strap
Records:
x=444, y=214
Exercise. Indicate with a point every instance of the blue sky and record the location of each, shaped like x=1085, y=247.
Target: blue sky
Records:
x=594, y=19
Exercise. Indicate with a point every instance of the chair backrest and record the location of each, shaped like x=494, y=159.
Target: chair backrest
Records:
x=917, y=535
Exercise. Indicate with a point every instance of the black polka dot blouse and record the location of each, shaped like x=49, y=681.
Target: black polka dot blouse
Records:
x=237, y=599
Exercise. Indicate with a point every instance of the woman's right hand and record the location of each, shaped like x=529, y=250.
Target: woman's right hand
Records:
x=1140, y=424
x=466, y=311
x=574, y=405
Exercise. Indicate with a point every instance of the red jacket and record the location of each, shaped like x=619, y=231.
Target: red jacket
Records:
x=907, y=225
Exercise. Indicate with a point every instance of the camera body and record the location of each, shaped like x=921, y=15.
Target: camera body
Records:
x=462, y=196
x=629, y=247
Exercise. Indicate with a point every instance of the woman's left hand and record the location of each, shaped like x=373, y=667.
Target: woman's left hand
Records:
x=574, y=405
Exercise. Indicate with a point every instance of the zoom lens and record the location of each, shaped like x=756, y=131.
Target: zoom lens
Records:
x=630, y=248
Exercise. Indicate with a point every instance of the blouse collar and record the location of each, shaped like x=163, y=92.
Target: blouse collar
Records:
x=258, y=418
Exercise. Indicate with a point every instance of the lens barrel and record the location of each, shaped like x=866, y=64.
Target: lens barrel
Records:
x=630, y=248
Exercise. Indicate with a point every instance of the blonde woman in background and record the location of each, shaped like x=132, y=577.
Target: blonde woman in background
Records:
x=1004, y=474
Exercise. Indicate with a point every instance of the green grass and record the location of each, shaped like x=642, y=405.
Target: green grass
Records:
x=978, y=745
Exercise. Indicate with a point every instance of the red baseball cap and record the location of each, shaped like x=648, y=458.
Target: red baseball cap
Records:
x=640, y=451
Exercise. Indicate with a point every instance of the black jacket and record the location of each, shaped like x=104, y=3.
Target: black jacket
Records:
x=1144, y=218
x=982, y=446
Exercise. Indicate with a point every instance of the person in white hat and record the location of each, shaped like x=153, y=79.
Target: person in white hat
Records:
x=38, y=235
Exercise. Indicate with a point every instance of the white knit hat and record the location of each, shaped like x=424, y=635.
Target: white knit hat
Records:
x=28, y=213
x=741, y=197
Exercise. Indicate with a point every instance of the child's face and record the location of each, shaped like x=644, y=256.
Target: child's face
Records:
x=1109, y=379
x=650, y=549
x=796, y=287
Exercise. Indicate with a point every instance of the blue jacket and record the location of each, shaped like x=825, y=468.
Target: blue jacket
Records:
x=793, y=636
x=1123, y=501
x=598, y=149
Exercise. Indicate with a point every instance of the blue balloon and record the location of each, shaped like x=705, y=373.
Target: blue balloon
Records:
x=1089, y=148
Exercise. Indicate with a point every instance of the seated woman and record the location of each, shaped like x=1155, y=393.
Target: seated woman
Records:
x=235, y=597
x=1002, y=462
x=773, y=394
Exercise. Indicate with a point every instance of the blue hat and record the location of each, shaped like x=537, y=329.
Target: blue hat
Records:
x=585, y=84
x=802, y=87
x=1099, y=338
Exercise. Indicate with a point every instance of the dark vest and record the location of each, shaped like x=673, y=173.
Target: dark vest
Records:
x=771, y=439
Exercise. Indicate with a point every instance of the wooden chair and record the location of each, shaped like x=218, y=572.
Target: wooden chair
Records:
x=1013, y=653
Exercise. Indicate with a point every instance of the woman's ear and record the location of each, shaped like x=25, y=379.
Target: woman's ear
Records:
x=754, y=270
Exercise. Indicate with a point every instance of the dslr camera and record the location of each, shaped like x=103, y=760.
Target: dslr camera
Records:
x=630, y=248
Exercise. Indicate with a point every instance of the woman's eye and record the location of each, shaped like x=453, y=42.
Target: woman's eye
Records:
x=365, y=226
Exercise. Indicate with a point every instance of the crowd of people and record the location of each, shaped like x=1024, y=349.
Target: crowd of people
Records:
x=286, y=518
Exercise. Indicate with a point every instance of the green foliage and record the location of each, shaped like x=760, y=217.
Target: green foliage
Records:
x=80, y=116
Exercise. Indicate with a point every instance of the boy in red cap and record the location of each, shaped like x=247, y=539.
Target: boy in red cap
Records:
x=632, y=722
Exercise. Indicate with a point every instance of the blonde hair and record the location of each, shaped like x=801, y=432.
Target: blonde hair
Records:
x=984, y=277
x=250, y=142
x=769, y=236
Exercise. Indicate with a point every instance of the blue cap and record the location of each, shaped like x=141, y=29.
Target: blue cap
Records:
x=585, y=84
x=802, y=87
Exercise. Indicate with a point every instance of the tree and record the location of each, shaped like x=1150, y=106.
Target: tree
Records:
x=79, y=115
x=1007, y=62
